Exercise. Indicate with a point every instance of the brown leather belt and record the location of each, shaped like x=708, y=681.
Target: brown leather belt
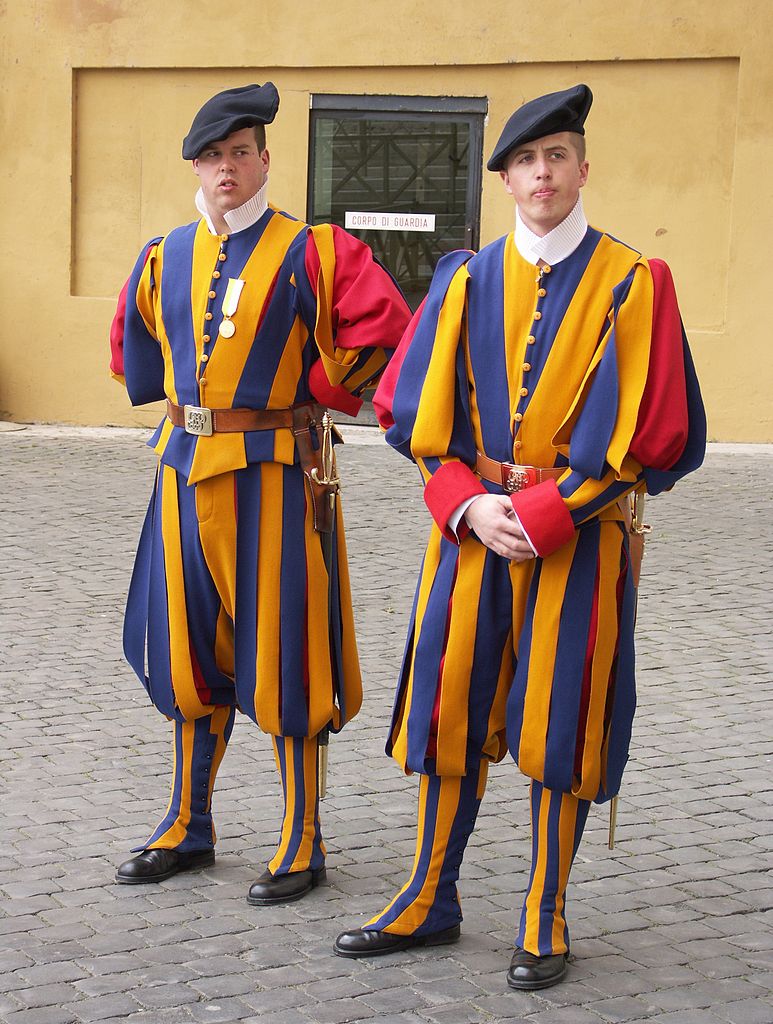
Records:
x=513, y=478
x=202, y=421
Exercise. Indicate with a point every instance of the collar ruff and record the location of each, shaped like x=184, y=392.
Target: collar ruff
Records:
x=557, y=244
x=242, y=217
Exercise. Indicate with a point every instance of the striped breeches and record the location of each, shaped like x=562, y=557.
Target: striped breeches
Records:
x=188, y=824
x=448, y=807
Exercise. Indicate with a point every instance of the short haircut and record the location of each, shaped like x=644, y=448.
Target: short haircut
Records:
x=260, y=136
x=578, y=141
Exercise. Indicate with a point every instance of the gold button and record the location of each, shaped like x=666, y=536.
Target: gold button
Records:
x=203, y=382
x=212, y=295
x=518, y=417
x=517, y=445
x=530, y=340
x=205, y=338
x=224, y=238
x=546, y=269
x=524, y=392
x=207, y=316
x=204, y=358
x=221, y=256
x=526, y=367
x=216, y=273
x=542, y=293
x=538, y=315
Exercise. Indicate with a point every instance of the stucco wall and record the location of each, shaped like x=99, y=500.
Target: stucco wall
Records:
x=97, y=95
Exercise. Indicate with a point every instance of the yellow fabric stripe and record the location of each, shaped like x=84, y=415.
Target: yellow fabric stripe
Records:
x=267, y=708
x=185, y=692
x=448, y=802
x=146, y=296
x=534, y=897
x=544, y=639
x=610, y=543
x=224, y=643
x=289, y=795
x=306, y=846
x=177, y=832
x=336, y=361
x=435, y=415
x=216, y=512
x=457, y=667
x=567, y=822
x=520, y=282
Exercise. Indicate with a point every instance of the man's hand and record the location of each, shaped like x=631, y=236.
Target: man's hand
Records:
x=492, y=518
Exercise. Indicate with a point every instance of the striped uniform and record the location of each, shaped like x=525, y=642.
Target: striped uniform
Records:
x=228, y=604
x=582, y=366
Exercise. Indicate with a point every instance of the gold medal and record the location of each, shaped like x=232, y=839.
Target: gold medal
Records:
x=231, y=298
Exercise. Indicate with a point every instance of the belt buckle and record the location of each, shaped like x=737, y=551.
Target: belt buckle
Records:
x=198, y=420
x=514, y=478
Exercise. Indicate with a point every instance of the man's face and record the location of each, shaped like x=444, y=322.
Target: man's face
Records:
x=545, y=177
x=231, y=171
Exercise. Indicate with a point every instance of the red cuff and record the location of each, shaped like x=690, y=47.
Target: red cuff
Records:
x=544, y=517
x=446, y=489
x=331, y=395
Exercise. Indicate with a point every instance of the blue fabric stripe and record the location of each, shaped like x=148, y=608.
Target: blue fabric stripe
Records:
x=595, y=425
x=428, y=654
x=494, y=623
x=569, y=665
x=624, y=694
x=143, y=362
x=416, y=363
x=517, y=694
x=176, y=311
x=292, y=604
x=159, y=659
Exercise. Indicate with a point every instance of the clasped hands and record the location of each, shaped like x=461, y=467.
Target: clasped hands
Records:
x=493, y=520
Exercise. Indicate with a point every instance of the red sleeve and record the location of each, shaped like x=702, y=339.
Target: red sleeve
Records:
x=444, y=492
x=369, y=310
x=663, y=421
x=333, y=396
x=116, y=333
x=385, y=392
x=544, y=517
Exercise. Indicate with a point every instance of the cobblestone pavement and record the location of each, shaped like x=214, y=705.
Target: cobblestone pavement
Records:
x=673, y=926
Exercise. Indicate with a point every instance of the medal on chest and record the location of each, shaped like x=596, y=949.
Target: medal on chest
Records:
x=231, y=298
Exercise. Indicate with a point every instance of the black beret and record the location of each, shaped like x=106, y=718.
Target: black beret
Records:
x=229, y=111
x=557, y=112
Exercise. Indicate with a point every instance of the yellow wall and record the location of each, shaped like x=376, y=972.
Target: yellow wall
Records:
x=99, y=93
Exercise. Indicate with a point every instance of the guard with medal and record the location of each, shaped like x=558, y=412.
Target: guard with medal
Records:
x=249, y=324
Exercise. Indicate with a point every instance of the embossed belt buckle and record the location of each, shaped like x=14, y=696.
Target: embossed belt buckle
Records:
x=514, y=478
x=198, y=420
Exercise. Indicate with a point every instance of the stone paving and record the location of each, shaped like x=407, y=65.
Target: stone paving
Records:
x=674, y=926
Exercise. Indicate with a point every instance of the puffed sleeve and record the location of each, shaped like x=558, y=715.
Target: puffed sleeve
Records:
x=136, y=360
x=358, y=315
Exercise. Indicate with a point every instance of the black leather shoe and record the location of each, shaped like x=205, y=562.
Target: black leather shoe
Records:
x=270, y=889
x=529, y=972
x=156, y=865
x=375, y=943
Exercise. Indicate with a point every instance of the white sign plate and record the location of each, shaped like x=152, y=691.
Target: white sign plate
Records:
x=389, y=221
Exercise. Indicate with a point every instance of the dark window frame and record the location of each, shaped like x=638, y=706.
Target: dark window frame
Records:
x=473, y=109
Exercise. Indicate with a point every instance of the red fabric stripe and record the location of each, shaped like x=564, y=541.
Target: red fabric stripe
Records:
x=337, y=397
x=544, y=517
x=203, y=691
x=446, y=489
x=662, y=426
x=116, y=333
